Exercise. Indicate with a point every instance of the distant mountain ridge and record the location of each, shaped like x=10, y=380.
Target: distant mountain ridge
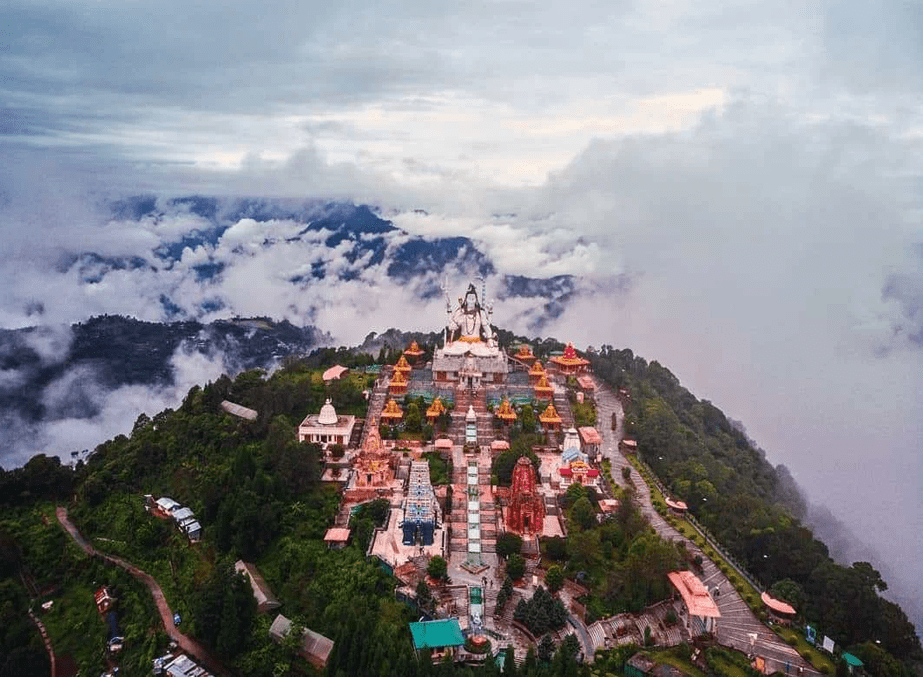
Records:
x=114, y=351
x=356, y=237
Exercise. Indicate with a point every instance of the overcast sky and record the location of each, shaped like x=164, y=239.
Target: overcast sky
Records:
x=740, y=179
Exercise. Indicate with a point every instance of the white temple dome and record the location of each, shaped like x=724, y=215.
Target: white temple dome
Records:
x=328, y=415
x=471, y=415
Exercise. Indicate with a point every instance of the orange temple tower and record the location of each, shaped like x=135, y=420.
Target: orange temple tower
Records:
x=413, y=352
x=403, y=366
x=526, y=511
x=550, y=419
x=536, y=372
x=398, y=384
x=543, y=389
x=392, y=413
x=525, y=355
x=435, y=410
x=505, y=412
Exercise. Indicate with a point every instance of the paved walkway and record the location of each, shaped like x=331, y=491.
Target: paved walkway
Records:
x=738, y=627
x=186, y=643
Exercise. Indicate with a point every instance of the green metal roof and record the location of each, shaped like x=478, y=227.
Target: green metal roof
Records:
x=852, y=660
x=436, y=634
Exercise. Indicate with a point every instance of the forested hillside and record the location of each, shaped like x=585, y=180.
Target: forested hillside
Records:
x=256, y=490
x=737, y=494
x=257, y=493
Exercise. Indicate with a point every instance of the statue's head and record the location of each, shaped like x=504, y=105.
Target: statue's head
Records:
x=471, y=297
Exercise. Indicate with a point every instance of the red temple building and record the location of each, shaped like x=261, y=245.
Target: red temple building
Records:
x=374, y=464
x=526, y=511
x=570, y=362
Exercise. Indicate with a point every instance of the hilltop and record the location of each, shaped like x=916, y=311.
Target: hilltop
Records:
x=257, y=492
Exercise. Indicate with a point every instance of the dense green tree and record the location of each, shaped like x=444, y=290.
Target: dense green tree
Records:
x=554, y=579
x=582, y=515
x=508, y=544
x=515, y=566
x=546, y=649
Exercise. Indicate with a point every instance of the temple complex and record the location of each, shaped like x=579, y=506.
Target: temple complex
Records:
x=326, y=427
x=526, y=511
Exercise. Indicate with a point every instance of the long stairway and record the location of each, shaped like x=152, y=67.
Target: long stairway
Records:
x=376, y=403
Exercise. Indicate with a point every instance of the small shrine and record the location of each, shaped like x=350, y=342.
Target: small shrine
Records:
x=326, y=427
x=575, y=466
x=413, y=353
x=536, y=372
x=505, y=412
x=543, y=389
x=402, y=366
x=549, y=418
x=471, y=426
x=525, y=355
x=526, y=511
x=398, y=384
x=435, y=410
x=578, y=471
x=570, y=362
x=392, y=413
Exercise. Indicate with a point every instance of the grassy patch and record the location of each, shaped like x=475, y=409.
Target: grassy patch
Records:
x=678, y=658
x=818, y=659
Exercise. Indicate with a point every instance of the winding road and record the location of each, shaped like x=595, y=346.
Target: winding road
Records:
x=186, y=643
x=738, y=628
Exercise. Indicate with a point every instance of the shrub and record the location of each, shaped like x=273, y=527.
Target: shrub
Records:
x=437, y=568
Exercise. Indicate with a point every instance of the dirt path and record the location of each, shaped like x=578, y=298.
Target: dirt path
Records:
x=186, y=643
x=47, y=640
x=738, y=627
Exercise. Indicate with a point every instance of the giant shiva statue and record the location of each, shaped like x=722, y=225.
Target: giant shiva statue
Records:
x=469, y=321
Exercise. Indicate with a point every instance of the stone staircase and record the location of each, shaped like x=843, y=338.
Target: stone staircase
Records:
x=376, y=403
x=562, y=406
